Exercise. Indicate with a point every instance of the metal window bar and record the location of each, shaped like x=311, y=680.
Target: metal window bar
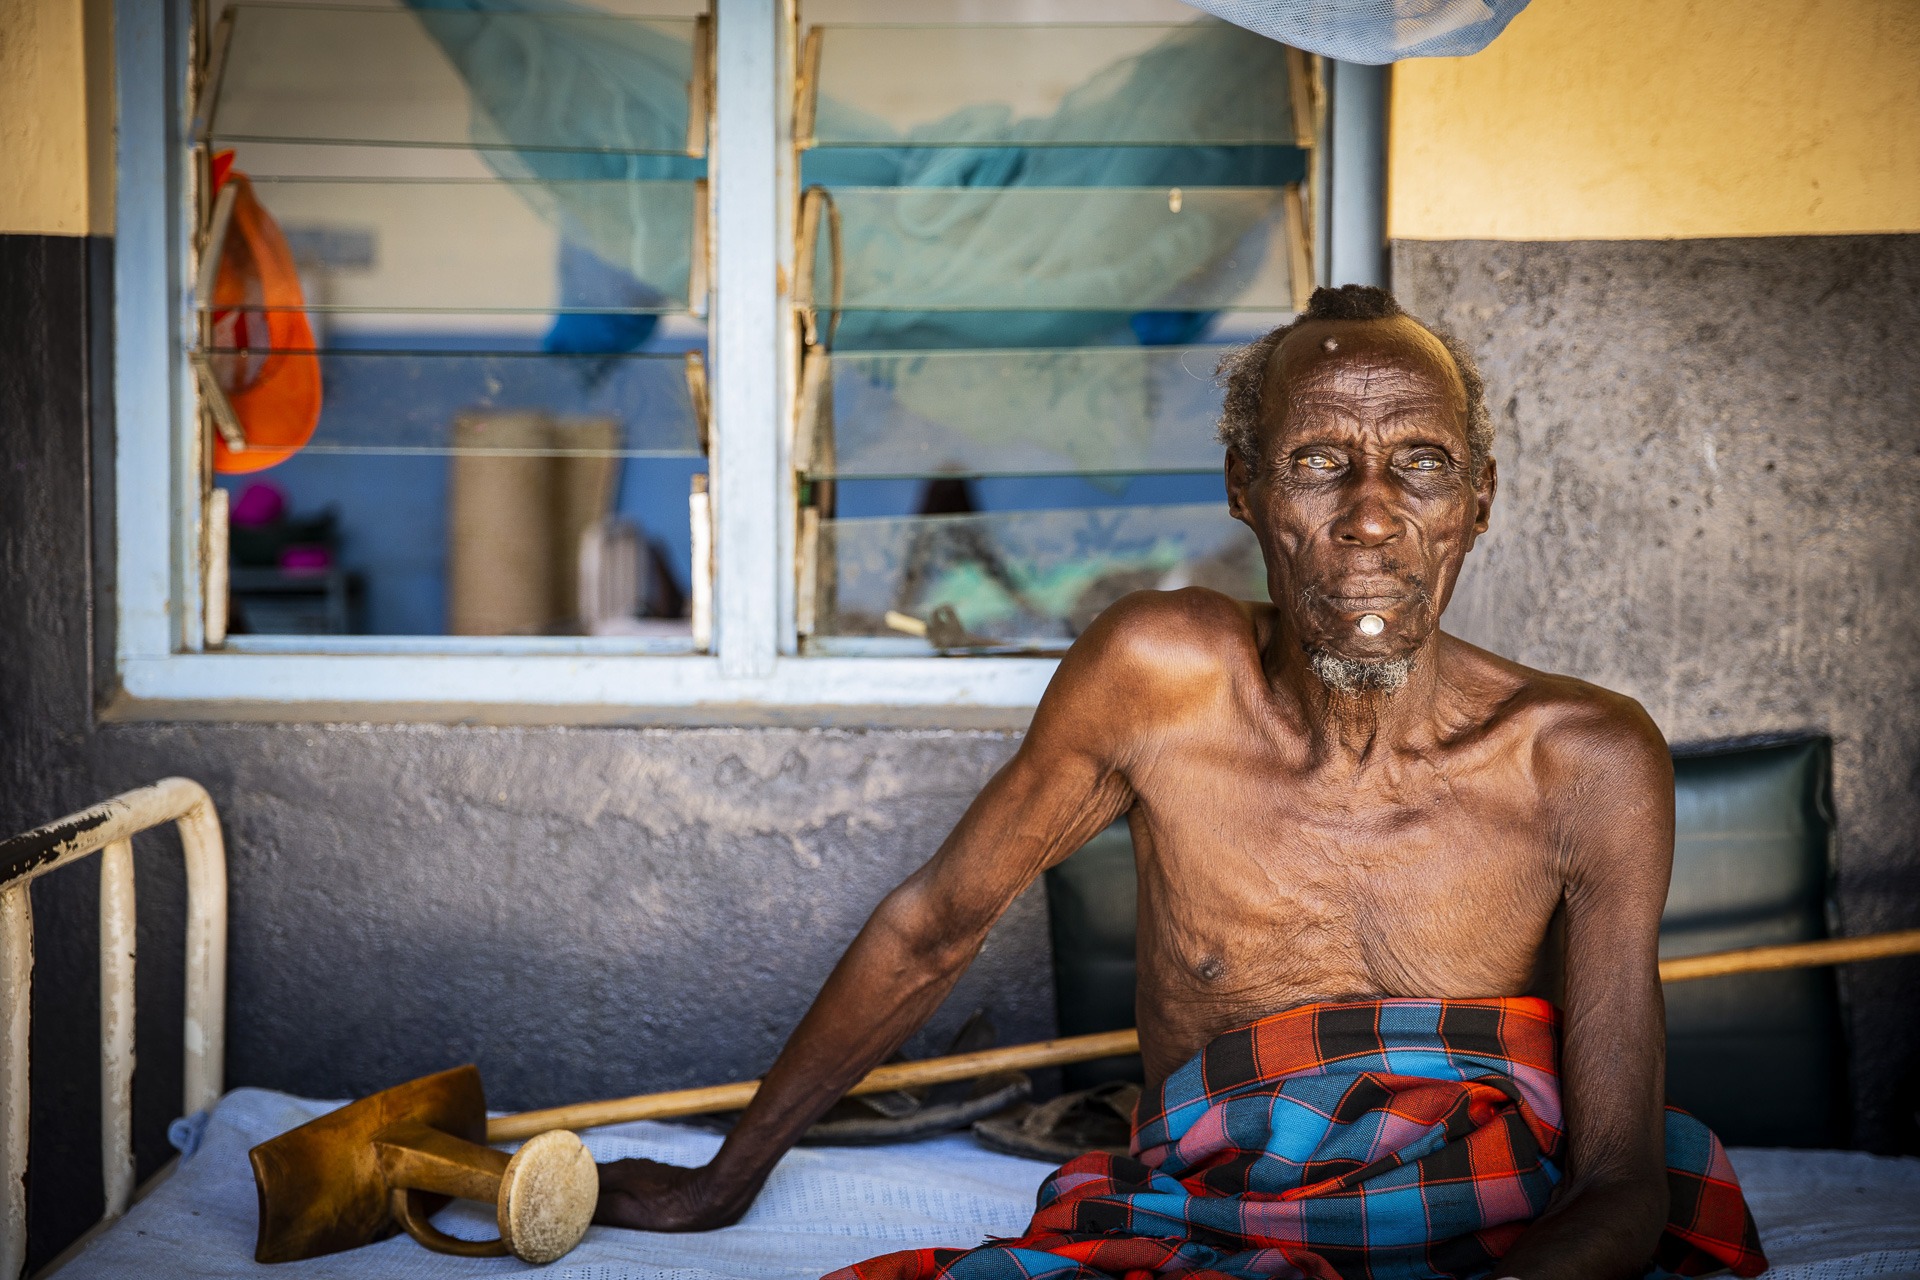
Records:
x=109, y=828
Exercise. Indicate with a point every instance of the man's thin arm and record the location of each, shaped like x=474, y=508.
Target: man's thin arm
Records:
x=907, y=957
x=1614, y=780
x=1059, y=790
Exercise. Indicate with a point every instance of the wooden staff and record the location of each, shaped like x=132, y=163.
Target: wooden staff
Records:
x=1114, y=1044
x=1792, y=955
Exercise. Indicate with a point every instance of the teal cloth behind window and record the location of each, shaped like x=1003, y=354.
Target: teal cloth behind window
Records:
x=621, y=87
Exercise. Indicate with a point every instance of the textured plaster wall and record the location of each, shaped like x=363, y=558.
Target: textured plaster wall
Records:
x=583, y=912
x=1710, y=498
x=1643, y=119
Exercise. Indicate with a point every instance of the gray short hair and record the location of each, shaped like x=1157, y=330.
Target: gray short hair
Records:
x=1243, y=372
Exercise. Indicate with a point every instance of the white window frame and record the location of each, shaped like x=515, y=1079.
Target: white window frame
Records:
x=753, y=674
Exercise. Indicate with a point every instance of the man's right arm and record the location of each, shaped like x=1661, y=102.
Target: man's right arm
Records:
x=1062, y=787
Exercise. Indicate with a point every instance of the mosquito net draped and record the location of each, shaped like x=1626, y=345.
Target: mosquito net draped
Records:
x=1373, y=31
x=957, y=245
x=963, y=242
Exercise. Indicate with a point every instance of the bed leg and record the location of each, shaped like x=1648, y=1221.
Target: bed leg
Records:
x=16, y=1005
x=205, y=1028
x=117, y=934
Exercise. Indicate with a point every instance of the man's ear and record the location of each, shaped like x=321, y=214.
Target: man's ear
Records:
x=1237, y=479
x=1483, y=496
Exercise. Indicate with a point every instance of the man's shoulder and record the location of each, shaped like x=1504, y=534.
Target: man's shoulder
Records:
x=1173, y=634
x=1152, y=657
x=1152, y=652
x=1574, y=731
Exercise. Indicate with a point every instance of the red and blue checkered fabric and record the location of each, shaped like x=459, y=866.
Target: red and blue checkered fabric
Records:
x=1378, y=1139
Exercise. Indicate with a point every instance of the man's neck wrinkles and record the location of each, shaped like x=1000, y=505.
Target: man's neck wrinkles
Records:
x=1360, y=726
x=1357, y=725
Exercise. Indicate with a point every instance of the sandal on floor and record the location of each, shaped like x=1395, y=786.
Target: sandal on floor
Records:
x=1096, y=1119
x=903, y=1115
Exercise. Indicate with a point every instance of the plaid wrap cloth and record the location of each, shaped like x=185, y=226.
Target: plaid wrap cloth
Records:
x=1377, y=1139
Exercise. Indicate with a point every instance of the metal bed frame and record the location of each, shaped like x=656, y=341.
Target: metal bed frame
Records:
x=108, y=828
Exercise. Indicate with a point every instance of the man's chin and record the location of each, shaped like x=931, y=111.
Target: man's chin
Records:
x=1359, y=675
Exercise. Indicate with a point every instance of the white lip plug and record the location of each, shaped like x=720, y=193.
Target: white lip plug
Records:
x=1371, y=624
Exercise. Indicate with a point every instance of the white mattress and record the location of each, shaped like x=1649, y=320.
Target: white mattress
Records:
x=1824, y=1215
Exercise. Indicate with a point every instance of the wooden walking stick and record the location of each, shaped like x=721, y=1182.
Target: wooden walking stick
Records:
x=1792, y=955
x=1114, y=1044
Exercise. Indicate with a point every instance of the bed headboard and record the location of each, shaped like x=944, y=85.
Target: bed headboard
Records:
x=108, y=828
x=1759, y=1057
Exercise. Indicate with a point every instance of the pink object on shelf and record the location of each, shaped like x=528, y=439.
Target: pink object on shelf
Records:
x=259, y=504
x=306, y=559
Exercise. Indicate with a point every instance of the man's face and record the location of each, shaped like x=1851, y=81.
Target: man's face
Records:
x=1364, y=501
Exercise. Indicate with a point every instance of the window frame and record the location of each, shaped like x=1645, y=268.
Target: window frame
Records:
x=753, y=674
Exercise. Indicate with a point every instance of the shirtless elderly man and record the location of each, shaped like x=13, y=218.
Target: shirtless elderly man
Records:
x=1353, y=833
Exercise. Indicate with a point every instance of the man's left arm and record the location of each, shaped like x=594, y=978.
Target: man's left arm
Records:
x=1610, y=779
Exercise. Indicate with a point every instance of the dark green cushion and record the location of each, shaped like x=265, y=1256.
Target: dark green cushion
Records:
x=1091, y=907
x=1758, y=1057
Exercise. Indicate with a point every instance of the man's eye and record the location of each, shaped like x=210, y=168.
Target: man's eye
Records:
x=1319, y=462
x=1426, y=464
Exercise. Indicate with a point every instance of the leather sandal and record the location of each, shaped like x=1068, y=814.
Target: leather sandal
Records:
x=903, y=1115
x=1096, y=1119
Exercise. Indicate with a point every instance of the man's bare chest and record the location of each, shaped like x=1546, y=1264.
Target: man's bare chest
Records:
x=1262, y=882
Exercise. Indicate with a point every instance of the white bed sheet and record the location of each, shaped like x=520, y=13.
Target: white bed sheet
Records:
x=1823, y=1215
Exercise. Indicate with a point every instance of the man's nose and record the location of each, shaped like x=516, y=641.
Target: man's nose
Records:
x=1369, y=517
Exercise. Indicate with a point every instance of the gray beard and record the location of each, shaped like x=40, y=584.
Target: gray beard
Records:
x=1350, y=675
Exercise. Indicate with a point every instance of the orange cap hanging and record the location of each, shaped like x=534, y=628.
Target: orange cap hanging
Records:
x=262, y=352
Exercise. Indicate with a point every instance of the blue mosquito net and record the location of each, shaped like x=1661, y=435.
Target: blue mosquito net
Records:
x=618, y=90
x=955, y=228
x=1373, y=31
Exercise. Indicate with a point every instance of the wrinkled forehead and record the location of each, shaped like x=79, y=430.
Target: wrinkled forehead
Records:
x=1366, y=367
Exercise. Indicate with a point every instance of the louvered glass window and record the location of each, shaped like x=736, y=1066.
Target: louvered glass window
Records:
x=450, y=320
x=689, y=361
x=1021, y=249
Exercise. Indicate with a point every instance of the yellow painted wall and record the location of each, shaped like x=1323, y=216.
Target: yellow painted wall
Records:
x=56, y=117
x=1654, y=119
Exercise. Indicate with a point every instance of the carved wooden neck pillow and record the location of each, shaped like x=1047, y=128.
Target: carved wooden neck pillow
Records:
x=390, y=1161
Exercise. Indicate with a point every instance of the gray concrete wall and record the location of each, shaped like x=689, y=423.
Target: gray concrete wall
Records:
x=583, y=912
x=1710, y=498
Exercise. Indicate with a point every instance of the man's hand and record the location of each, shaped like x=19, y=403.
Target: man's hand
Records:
x=649, y=1196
